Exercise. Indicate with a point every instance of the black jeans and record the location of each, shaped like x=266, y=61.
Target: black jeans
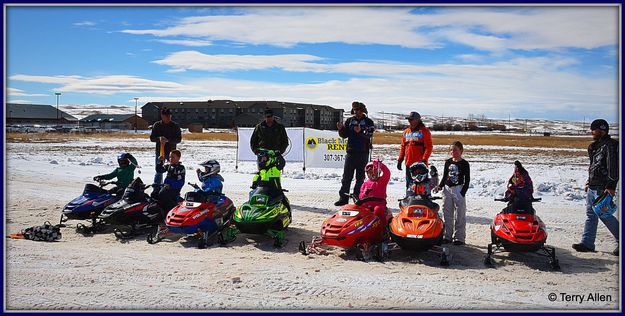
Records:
x=354, y=162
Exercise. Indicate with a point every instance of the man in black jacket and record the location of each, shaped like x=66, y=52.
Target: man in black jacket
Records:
x=168, y=133
x=358, y=130
x=602, y=177
x=269, y=134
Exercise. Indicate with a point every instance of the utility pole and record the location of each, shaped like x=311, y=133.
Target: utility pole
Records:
x=136, y=100
x=58, y=121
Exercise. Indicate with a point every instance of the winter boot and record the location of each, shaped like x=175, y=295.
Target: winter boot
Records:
x=344, y=199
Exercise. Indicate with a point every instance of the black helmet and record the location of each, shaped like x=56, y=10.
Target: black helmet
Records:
x=123, y=159
x=211, y=167
x=419, y=172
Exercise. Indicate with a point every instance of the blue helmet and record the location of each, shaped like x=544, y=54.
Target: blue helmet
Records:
x=604, y=205
x=123, y=159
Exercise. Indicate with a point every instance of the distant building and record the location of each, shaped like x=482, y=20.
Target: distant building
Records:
x=40, y=114
x=228, y=113
x=114, y=121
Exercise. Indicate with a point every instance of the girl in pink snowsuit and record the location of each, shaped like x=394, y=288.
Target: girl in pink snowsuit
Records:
x=378, y=176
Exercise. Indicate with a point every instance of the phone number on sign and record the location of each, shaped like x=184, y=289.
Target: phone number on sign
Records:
x=332, y=157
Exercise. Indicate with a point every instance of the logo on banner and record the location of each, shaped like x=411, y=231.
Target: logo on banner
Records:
x=311, y=143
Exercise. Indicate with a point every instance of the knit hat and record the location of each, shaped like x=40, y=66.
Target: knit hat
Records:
x=600, y=124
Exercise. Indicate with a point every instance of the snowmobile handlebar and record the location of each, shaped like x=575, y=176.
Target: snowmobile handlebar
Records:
x=508, y=200
x=367, y=199
x=430, y=198
x=103, y=183
x=195, y=186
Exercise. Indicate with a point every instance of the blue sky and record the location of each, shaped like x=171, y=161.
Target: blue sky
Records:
x=527, y=62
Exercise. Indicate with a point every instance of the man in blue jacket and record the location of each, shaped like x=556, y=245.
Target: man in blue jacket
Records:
x=358, y=130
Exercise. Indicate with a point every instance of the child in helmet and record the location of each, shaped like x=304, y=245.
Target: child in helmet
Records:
x=420, y=183
x=124, y=173
x=520, y=189
x=378, y=176
x=212, y=181
x=269, y=165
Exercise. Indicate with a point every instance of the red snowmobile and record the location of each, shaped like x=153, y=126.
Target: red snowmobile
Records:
x=518, y=229
x=354, y=227
x=204, y=213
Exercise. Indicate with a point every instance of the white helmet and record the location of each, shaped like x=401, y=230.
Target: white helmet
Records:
x=211, y=167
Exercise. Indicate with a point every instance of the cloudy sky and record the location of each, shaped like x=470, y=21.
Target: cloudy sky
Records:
x=526, y=62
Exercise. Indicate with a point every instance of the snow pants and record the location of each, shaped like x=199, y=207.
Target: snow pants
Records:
x=454, y=213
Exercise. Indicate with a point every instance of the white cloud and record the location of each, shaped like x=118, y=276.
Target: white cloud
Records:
x=104, y=85
x=21, y=101
x=85, y=23
x=289, y=26
x=194, y=43
x=13, y=92
x=193, y=60
x=520, y=85
x=491, y=29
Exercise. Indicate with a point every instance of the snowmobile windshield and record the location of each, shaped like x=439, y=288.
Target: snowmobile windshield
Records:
x=92, y=188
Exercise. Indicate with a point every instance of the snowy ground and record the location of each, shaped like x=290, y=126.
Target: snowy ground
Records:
x=100, y=272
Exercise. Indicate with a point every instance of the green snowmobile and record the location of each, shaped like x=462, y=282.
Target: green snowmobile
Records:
x=268, y=210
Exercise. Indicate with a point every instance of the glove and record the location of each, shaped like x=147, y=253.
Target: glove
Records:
x=399, y=162
x=97, y=178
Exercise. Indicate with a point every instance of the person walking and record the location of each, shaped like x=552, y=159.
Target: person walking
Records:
x=269, y=135
x=358, y=130
x=603, y=177
x=166, y=134
x=416, y=144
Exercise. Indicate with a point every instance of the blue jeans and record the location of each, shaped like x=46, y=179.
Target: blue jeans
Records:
x=158, y=176
x=590, y=227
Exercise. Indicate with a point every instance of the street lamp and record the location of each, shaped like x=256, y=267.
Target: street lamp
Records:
x=58, y=94
x=136, y=100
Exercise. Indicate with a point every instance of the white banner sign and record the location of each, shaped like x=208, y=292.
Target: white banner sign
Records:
x=294, y=152
x=324, y=149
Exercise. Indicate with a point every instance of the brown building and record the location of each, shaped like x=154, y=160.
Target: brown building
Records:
x=114, y=121
x=228, y=113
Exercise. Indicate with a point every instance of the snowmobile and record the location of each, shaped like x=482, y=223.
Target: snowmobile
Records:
x=90, y=203
x=518, y=229
x=136, y=210
x=418, y=225
x=203, y=213
x=268, y=210
x=354, y=227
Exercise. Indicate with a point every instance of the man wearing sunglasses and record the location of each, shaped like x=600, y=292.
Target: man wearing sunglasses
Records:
x=269, y=134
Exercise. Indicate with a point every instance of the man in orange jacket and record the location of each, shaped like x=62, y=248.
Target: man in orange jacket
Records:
x=416, y=144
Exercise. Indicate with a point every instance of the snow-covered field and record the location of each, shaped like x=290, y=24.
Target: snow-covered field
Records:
x=100, y=272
